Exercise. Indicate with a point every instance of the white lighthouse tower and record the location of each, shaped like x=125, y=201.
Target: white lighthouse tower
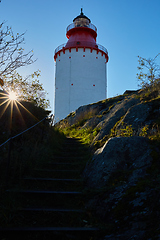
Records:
x=80, y=76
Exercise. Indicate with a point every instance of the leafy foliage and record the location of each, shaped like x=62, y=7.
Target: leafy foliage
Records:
x=12, y=57
x=149, y=71
x=28, y=89
x=144, y=131
x=126, y=131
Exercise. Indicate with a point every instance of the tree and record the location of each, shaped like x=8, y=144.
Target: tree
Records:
x=28, y=89
x=12, y=55
x=149, y=71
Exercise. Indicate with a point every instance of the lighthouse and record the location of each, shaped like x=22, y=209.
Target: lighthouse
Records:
x=80, y=68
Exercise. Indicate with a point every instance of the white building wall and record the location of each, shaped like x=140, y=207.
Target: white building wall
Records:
x=80, y=79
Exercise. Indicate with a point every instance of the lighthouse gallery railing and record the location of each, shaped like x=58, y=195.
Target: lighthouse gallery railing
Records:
x=82, y=44
x=73, y=25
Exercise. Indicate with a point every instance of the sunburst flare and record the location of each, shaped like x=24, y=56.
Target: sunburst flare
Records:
x=11, y=99
x=12, y=96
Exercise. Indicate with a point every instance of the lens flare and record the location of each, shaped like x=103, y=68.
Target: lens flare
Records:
x=12, y=96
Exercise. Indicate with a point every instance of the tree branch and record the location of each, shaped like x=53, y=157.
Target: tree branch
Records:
x=12, y=55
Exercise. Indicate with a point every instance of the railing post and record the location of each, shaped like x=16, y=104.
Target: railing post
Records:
x=8, y=160
x=43, y=129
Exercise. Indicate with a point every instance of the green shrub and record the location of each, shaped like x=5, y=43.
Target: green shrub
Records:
x=144, y=131
x=127, y=131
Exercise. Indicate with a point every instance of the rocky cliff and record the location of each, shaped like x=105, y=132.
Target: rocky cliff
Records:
x=122, y=178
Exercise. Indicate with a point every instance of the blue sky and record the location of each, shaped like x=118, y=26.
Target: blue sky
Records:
x=127, y=28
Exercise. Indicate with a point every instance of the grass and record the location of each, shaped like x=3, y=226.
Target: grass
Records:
x=86, y=134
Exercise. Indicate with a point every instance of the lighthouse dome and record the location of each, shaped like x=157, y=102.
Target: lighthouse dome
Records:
x=81, y=32
x=81, y=20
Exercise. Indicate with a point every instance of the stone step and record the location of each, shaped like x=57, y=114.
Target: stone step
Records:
x=56, y=233
x=51, y=183
x=74, y=159
x=56, y=173
x=71, y=141
x=45, y=217
x=48, y=205
x=44, y=192
x=73, y=148
x=53, y=179
x=46, y=198
x=71, y=229
x=52, y=210
x=62, y=165
x=56, y=170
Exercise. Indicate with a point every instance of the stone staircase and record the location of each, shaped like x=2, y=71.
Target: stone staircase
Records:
x=51, y=201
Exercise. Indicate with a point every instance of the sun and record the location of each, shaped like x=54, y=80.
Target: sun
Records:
x=12, y=96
